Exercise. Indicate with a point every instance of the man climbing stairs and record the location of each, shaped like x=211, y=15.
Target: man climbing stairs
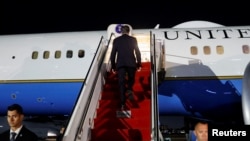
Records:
x=131, y=124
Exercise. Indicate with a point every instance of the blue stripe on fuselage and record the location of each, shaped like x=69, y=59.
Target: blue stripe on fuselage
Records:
x=47, y=98
x=210, y=99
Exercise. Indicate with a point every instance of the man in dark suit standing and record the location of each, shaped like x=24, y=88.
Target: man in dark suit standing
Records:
x=125, y=59
x=15, y=117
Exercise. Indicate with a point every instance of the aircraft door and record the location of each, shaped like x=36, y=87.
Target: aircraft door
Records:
x=116, y=29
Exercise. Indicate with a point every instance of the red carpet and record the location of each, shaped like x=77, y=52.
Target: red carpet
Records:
x=136, y=124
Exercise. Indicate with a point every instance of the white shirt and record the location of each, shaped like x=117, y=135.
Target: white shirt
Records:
x=17, y=131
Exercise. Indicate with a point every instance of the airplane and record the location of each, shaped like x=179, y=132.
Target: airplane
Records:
x=201, y=66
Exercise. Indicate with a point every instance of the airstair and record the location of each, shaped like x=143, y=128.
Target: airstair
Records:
x=97, y=114
x=131, y=124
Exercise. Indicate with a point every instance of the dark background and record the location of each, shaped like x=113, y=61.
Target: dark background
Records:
x=35, y=16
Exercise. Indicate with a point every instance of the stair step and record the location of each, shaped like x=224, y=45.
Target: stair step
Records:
x=139, y=80
x=138, y=96
x=108, y=112
x=131, y=124
x=106, y=134
x=137, y=87
x=114, y=104
x=123, y=123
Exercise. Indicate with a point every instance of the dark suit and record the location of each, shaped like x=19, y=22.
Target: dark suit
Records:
x=24, y=135
x=125, y=58
x=124, y=47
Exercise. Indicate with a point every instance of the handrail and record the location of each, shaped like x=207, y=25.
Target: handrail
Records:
x=85, y=96
x=86, y=107
x=154, y=91
x=94, y=82
x=82, y=87
x=93, y=59
x=93, y=86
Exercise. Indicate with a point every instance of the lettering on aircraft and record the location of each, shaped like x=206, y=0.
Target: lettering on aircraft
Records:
x=207, y=34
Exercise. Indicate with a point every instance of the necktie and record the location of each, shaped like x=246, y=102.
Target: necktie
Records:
x=13, y=135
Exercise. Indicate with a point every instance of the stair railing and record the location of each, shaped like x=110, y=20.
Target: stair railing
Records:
x=155, y=133
x=81, y=121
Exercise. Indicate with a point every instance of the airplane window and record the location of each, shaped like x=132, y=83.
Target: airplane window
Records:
x=46, y=54
x=219, y=49
x=69, y=54
x=58, y=54
x=35, y=55
x=207, y=50
x=194, y=50
x=81, y=53
x=245, y=49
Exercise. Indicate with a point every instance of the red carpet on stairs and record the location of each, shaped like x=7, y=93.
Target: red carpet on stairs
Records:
x=132, y=124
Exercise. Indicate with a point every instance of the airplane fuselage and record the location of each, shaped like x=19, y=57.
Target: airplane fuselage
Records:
x=45, y=72
x=203, y=68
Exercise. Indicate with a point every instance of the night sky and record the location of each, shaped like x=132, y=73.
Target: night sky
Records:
x=36, y=16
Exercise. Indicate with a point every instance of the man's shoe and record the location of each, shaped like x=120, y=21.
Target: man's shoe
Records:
x=123, y=107
x=130, y=95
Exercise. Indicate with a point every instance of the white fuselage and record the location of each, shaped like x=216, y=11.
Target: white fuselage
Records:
x=51, y=61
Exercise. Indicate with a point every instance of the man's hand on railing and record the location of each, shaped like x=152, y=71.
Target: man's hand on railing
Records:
x=139, y=69
x=113, y=71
